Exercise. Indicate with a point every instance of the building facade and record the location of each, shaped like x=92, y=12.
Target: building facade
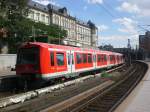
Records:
x=144, y=45
x=79, y=33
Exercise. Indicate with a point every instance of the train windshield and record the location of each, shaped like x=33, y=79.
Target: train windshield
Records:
x=28, y=55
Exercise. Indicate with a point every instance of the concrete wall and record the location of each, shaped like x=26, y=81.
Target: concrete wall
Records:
x=7, y=61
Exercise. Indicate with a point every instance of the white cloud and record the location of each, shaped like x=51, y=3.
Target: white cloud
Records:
x=128, y=7
x=115, y=40
x=128, y=25
x=144, y=6
x=115, y=37
x=95, y=1
x=46, y=2
x=85, y=8
x=139, y=7
x=119, y=40
x=103, y=28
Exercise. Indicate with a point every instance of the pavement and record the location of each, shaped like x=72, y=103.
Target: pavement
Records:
x=139, y=98
x=6, y=72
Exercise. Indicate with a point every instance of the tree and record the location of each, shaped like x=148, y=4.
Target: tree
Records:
x=108, y=47
x=25, y=27
x=13, y=10
x=18, y=28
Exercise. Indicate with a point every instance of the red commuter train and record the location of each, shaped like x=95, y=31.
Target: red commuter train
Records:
x=44, y=61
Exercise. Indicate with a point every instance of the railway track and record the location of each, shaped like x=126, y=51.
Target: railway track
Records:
x=108, y=99
x=63, y=91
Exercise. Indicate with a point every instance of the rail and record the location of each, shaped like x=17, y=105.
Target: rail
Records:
x=35, y=94
x=108, y=99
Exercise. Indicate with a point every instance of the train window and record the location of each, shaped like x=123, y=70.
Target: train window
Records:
x=28, y=56
x=111, y=58
x=52, y=58
x=69, y=58
x=94, y=58
x=117, y=57
x=79, y=58
x=89, y=58
x=60, y=59
x=98, y=58
x=102, y=58
x=105, y=58
x=84, y=58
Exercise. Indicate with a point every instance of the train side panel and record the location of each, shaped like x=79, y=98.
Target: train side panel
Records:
x=55, y=63
x=58, y=61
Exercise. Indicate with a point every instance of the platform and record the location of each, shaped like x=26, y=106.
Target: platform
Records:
x=7, y=72
x=139, y=98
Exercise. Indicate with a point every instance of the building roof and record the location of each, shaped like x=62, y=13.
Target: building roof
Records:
x=38, y=6
x=58, y=10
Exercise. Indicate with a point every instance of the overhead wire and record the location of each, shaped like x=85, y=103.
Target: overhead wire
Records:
x=105, y=5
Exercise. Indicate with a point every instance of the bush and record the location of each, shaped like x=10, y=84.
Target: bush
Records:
x=106, y=75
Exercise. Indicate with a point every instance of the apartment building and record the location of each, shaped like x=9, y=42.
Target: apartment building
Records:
x=79, y=33
x=144, y=45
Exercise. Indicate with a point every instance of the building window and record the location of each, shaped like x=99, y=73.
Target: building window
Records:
x=31, y=13
x=47, y=20
x=53, y=19
x=37, y=16
x=72, y=25
x=80, y=30
x=57, y=20
x=60, y=59
x=63, y=22
x=43, y=18
x=67, y=23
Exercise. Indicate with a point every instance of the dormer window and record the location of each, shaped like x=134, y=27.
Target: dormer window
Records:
x=63, y=10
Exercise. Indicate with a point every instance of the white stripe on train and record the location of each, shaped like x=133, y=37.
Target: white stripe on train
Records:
x=65, y=73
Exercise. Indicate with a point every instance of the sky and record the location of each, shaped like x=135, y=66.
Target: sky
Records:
x=117, y=20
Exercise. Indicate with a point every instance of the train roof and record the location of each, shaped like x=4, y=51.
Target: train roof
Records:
x=46, y=45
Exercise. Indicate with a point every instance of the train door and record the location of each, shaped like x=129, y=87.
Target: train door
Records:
x=108, y=60
x=94, y=60
x=72, y=61
x=69, y=61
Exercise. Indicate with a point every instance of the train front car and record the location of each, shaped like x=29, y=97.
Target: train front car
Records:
x=28, y=62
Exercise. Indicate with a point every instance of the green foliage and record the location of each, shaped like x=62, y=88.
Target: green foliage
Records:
x=106, y=75
x=22, y=31
x=13, y=10
x=12, y=13
x=24, y=28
